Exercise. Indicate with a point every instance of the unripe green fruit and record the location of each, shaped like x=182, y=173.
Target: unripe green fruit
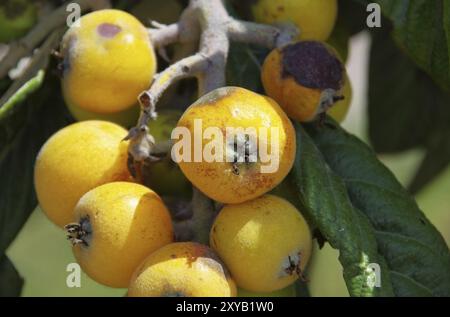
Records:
x=339, y=39
x=16, y=18
x=126, y=118
x=165, y=177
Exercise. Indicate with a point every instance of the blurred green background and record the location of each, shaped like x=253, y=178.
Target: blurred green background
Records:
x=41, y=253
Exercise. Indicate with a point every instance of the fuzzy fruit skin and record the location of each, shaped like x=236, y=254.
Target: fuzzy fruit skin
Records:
x=314, y=18
x=340, y=109
x=302, y=103
x=285, y=292
x=15, y=27
x=165, y=177
x=126, y=118
x=234, y=107
x=255, y=240
x=183, y=269
x=76, y=159
x=108, y=61
x=128, y=222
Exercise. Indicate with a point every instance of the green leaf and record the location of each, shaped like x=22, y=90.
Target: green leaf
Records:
x=422, y=29
x=339, y=39
x=21, y=93
x=244, y=66
x=11, y=102
x=402, y=99
x=411, y=245
x=328, y=206
x=40, y=115
x=244, y=61
x=414, y=114
x=352, y=15
x=10, y=116
x=10, y=281
x=437, y=157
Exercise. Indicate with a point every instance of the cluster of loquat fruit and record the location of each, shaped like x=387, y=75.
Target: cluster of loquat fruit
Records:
x=121, y=231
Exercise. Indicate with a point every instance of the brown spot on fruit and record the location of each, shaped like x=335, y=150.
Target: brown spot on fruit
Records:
x=312, y=65
x=108, y=30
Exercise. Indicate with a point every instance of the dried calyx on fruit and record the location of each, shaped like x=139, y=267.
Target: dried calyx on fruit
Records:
x=306, y=78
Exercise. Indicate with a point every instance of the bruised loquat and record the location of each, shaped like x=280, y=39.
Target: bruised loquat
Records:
x=306, y=78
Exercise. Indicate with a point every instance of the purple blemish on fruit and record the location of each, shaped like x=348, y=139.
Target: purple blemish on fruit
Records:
x=108, y=30
x=312, y=65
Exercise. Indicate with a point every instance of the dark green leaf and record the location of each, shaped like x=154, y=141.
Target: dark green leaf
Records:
x=422, y=29
x=328, y=206
x=352, y=15
x=244, y=67
x=410, y=244
x=437, y=158
x=41, y=115
x=10, y=113
x=11, y=105
x=402, y=99
x=407, y=109
x=339, y=39
x=10, y=281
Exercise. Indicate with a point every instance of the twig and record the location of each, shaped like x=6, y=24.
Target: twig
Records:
x=187, y=67
x=164, y=35
x=26, y=45
x=38, y=62
x=260, y=34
